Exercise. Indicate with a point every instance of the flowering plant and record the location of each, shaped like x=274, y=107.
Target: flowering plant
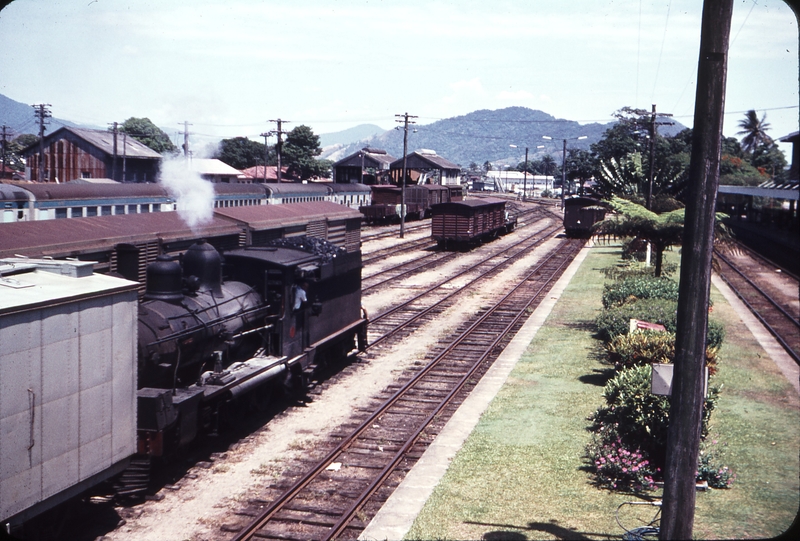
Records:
x=617, y=467
x=710, y=470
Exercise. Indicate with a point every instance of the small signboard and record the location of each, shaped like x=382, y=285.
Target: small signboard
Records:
x=661, y=380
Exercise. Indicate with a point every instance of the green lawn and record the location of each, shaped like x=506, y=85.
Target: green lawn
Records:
x=520, y=476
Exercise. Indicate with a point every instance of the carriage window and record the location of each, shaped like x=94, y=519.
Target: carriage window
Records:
x=132, y=209
x=145, y=208
x=61, y=213
x=157, y=207
x=105, y=211
x=91, y=211
x=77, y=212
x=119, y=209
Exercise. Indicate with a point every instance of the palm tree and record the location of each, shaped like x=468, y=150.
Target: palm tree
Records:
x=754, y=131
x=660, y=230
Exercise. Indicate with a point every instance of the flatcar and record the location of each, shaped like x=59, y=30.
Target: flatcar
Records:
x=92, y=378
x=580, y=214
x=470, y=222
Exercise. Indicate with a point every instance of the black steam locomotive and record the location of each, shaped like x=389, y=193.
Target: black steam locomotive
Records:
x=214, y=329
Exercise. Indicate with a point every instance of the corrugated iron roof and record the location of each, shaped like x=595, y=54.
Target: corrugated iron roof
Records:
x=61, y=238
x=370, y=157
x=211, y=166
x=274, y=216
x=103, y=140
x=416, y=158
x=75, y=190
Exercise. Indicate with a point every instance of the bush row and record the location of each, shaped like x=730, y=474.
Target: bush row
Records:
x=629, y=432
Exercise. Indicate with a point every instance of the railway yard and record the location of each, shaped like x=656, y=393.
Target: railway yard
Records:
x=322, y=467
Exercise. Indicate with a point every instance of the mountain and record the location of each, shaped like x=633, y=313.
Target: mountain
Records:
x=350, y=135
x=486, y=135
x=20, y=118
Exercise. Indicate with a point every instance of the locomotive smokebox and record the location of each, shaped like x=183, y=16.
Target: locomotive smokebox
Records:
x=164, y=280
x=204, y=263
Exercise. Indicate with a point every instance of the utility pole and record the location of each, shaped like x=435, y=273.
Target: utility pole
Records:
x=124, y=153
x=266, y=154
x=42, y=112
x=279, y=144
x=406, y=122
x=114, y=160
x=564, y=175
x=186, y=139
x=686, y=402
x=5, y=135
x=653, y=132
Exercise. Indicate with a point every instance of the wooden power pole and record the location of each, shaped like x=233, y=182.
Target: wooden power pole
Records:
x=686, y=402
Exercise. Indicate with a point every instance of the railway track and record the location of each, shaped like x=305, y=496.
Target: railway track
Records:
x=403, y=318
x=776, y=308
x=428, y=259
x=339, y=492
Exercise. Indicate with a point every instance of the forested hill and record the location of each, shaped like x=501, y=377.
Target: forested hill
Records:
x=485, y=135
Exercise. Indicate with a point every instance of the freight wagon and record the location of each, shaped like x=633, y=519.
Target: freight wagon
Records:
x=470, y=222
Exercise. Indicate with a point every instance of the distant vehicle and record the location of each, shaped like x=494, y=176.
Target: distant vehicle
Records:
x=580, y=214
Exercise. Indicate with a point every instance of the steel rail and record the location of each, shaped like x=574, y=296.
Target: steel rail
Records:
x=343, y=522
x=538, y=240
x=249, y=531
x=770, y=328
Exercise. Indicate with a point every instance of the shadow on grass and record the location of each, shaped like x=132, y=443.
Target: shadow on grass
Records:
x=598, y=377
x=511, y=532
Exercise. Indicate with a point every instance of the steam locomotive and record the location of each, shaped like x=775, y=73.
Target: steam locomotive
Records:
x=214, y=329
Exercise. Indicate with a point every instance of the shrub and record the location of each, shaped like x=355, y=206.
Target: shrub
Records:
x=617, y=467
x=640, y=287
x=648, y=347
x=638, y=417
x=615, y=321
x=711, y=471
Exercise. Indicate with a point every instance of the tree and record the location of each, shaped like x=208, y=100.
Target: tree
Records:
x=754, y=131
x=581, y=166
x=299, y=152
x=769, y=160
x=660, y=230
x=150, y=135
x=240, y=152
x=14, y=148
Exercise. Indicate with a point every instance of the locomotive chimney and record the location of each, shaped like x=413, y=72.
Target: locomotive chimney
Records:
x=203, y=262
x=163, y=280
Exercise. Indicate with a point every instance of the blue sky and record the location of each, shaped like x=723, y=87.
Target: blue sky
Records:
x=229, y=67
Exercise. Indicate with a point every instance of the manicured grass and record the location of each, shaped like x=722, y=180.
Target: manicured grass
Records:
x=520, y=474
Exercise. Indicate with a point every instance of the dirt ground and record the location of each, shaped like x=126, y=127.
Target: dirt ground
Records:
x=200, y=506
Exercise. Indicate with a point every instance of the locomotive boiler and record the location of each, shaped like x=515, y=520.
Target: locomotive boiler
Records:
x=213, y=329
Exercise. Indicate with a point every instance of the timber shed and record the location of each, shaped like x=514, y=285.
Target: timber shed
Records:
x=73, y=153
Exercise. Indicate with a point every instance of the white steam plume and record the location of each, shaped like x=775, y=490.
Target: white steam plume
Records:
x=194, y=196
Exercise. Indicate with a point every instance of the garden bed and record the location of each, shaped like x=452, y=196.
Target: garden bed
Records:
x=522, y=473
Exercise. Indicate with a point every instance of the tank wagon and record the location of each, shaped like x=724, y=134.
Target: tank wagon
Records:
x=98, y=371
x=470, y=222
x=580, y=214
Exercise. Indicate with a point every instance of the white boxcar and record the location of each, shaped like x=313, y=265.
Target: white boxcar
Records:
x=67, y=382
